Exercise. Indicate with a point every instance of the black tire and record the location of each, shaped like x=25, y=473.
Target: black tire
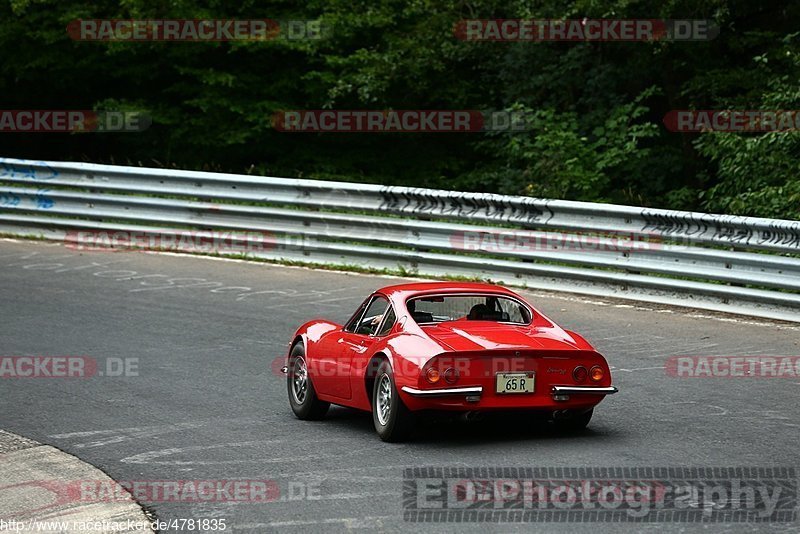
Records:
x=396, y=424
x=576, y=423
x=304, y=401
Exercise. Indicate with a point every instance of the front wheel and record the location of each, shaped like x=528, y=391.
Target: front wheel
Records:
x=393, y=421
x=302, y=395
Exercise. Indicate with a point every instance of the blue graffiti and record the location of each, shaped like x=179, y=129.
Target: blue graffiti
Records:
x=42, y=201
x=9, y=199
x=24, y=169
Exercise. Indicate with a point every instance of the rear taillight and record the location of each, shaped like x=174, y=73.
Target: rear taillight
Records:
x=579, y=374
x=596, y=373
x=432, y=375
x=450, y=375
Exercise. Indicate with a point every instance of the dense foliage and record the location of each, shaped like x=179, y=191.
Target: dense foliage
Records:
x=597, y=106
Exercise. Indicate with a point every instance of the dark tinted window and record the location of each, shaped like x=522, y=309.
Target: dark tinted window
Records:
x=442, y=308
x=388, y=322
x=368, y=324
x=351, y=325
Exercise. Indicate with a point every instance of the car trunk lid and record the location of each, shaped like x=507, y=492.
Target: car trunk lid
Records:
x=479, y=335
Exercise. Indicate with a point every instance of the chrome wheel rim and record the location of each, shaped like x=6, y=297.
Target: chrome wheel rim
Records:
x=384, y=401
x=299, y=380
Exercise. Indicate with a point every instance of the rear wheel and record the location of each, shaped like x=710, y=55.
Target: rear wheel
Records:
x=393, y=421
x=302, y=395
x=575, y=423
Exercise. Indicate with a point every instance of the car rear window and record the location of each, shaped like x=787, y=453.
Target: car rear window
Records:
x=489, y=307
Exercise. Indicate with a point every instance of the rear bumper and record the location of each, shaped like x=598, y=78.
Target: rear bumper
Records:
x=443, y=392
x=583, y=390
x=478, y=390
x=479, y=398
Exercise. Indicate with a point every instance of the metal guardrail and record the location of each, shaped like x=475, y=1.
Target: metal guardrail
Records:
x=719, y=262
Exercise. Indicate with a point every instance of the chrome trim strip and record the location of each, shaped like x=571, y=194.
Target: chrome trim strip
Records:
x=446, y=391
x=570, y=390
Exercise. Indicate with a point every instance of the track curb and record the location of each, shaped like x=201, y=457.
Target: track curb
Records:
x=37, y=493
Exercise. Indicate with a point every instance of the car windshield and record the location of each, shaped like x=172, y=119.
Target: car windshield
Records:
x=489, y=307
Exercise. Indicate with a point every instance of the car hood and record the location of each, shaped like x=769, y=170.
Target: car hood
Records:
x=463, y=336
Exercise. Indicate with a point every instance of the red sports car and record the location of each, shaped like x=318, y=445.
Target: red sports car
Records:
x=435, y=346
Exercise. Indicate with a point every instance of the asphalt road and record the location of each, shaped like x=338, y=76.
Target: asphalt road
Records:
x=206, y=404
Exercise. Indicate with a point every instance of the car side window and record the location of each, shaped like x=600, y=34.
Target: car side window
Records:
x=388, y=322
x=353, y=323
x=368, y=324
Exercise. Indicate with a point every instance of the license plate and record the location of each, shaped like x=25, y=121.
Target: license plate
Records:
x=514, y=382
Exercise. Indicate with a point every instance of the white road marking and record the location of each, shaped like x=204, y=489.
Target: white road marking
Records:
x=637, y=369
x=151, y=457
x=118, y=435
x=550, y=295
x=722, y=411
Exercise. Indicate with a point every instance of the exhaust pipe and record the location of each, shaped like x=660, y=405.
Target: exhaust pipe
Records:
x=471, y=416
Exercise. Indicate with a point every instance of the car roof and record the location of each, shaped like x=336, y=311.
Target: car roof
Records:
x=419, y=288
